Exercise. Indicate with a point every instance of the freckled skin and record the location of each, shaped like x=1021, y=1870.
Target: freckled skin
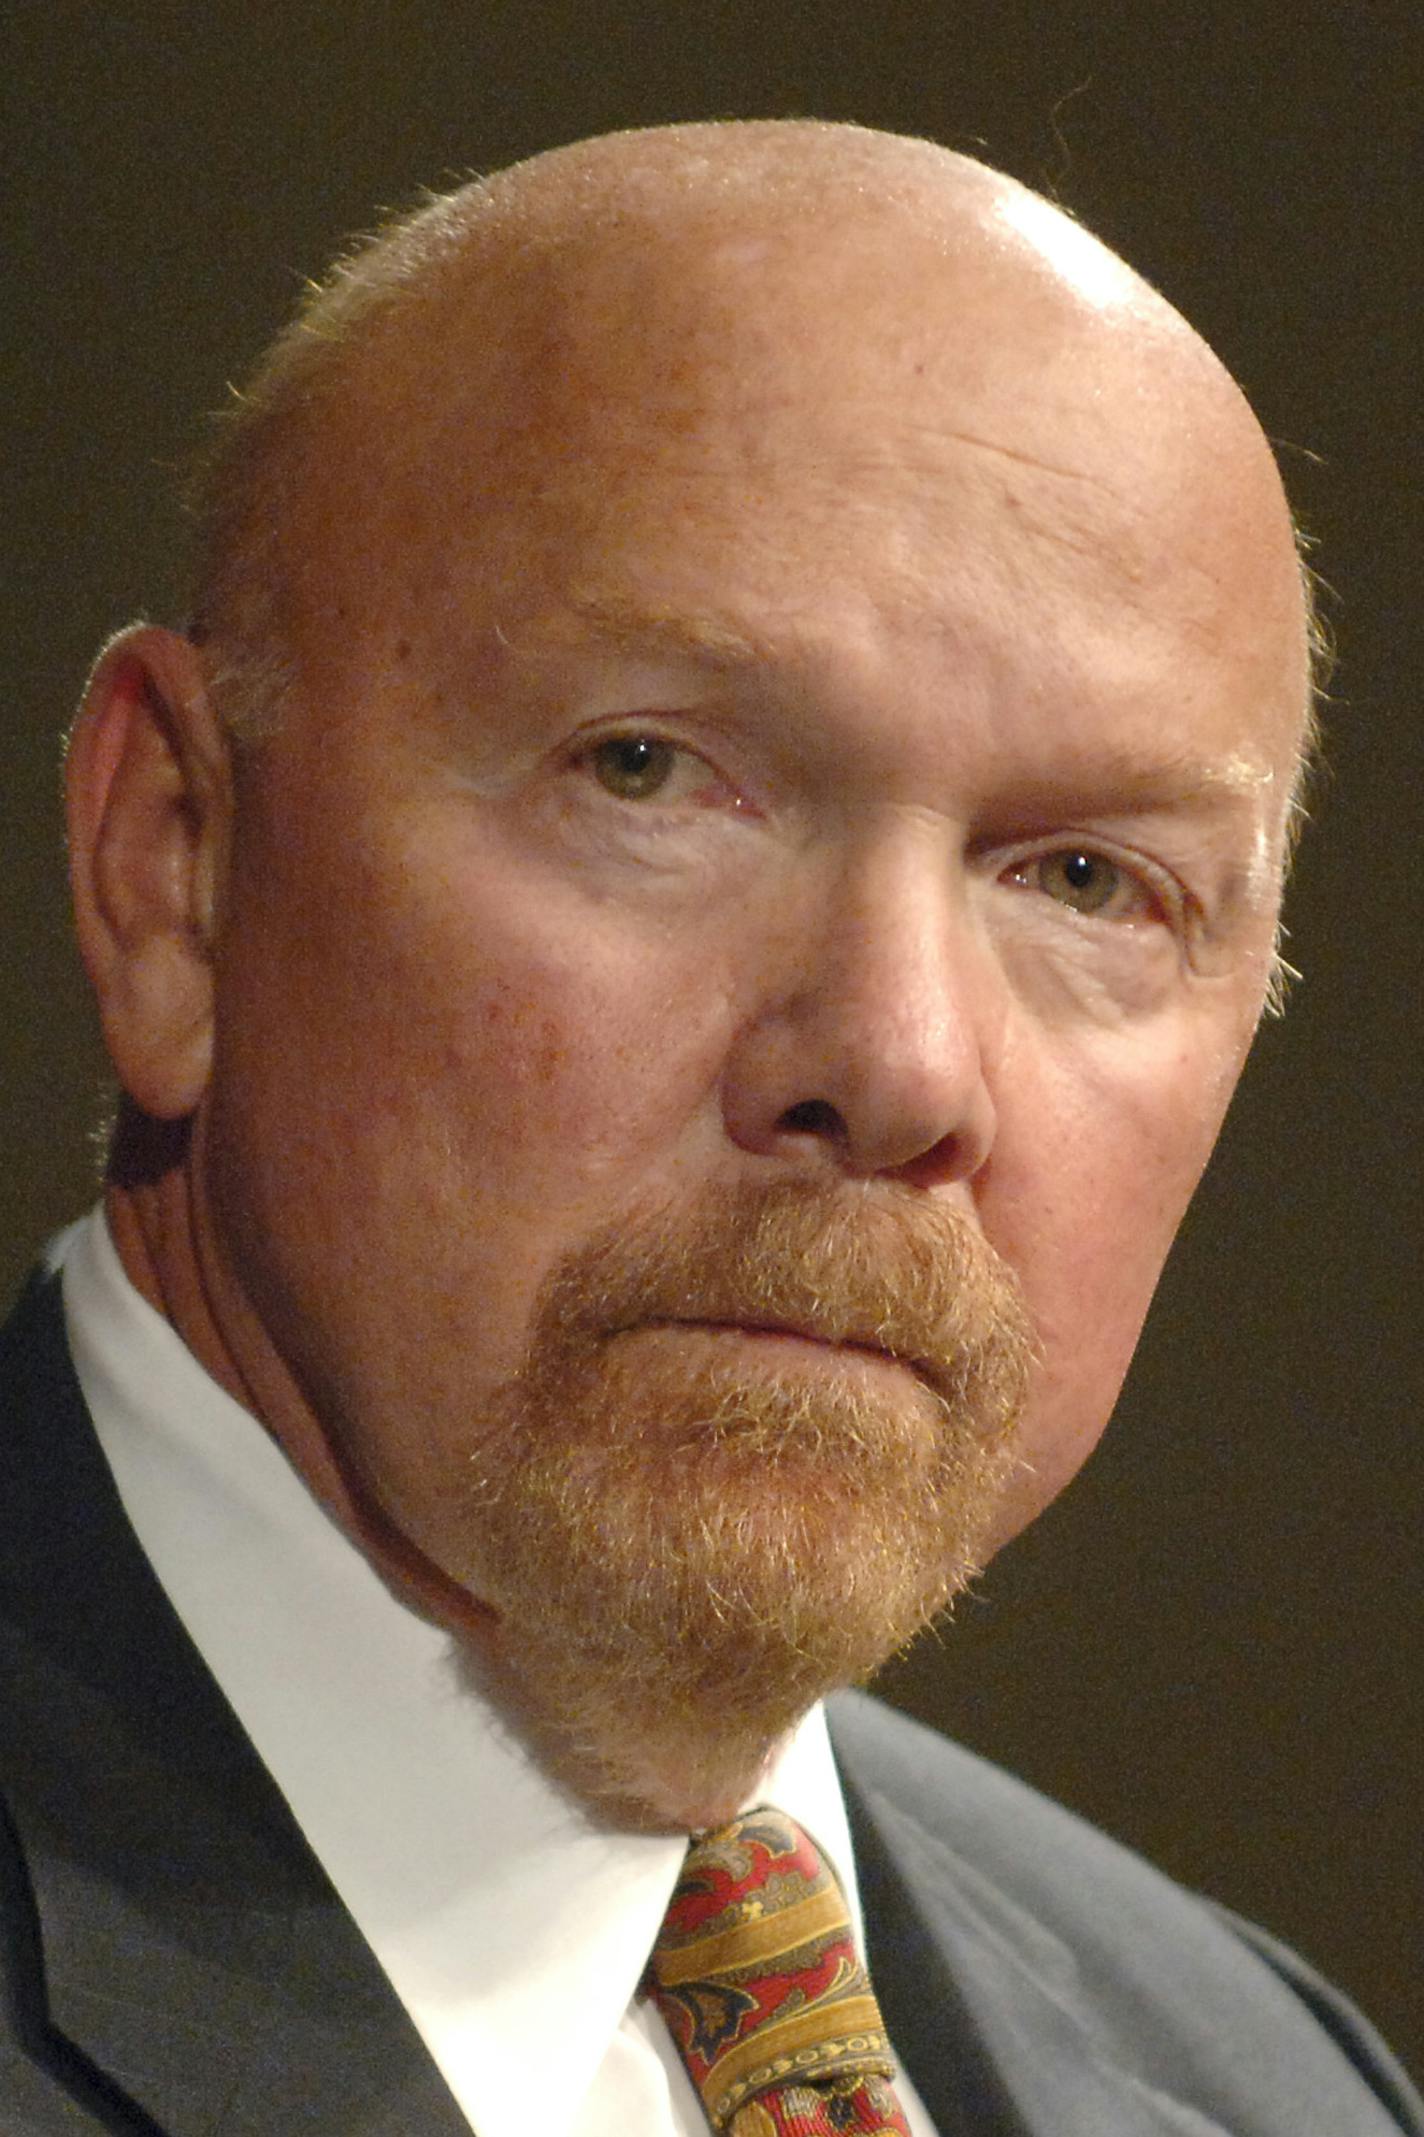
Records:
x=985, y=545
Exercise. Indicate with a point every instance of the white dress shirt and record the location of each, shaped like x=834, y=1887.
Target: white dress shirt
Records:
x=505, y=1916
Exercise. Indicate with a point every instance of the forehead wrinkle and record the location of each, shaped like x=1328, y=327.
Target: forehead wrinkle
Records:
x=1021, y=458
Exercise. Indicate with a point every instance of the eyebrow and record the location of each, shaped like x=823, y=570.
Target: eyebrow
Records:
x=639, y=626
x=1174, y=780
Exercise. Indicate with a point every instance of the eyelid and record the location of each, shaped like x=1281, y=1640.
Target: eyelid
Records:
x=1162, y=888
x=652, y=727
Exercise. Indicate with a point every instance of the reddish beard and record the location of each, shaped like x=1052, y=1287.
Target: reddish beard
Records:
x=752, y=1451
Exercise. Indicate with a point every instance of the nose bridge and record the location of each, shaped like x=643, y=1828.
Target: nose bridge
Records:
x=873, y=1032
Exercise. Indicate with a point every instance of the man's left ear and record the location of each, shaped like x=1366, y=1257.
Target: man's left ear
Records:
x=149, y=801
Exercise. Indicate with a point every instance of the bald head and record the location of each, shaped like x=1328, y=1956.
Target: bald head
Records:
x=619, y=288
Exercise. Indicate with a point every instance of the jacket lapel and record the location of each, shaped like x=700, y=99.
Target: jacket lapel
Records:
x=195, y=1957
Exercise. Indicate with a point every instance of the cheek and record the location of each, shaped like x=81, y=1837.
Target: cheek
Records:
x=547, y=1084
x=468, y=1057
x=559, y=1053
x=1096, y=1161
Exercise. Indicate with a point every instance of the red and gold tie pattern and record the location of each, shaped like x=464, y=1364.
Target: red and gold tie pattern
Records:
x=759, y=1982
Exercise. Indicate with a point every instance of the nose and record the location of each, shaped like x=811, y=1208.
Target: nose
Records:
x=868, y=1050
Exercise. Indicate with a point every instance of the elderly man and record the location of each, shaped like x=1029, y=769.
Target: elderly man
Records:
x=676, y=935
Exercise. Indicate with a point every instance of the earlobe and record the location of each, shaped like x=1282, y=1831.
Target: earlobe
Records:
x=148, y=797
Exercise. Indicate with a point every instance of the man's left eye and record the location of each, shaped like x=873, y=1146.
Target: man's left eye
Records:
x=1086, y=882
x=634, y=767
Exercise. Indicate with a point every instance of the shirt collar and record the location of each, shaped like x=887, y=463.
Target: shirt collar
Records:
x=502, y=1911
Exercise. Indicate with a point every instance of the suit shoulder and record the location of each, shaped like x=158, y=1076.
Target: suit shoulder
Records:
x=1042, y=1858
x=1167, y=1983
x=979, y=1809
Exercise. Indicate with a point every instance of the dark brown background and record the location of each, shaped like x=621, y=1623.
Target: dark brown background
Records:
x=1212, y=1646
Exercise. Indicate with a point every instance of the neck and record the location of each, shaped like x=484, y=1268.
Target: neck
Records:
x=158, y=1219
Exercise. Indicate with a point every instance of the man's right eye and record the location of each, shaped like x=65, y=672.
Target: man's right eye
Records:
x=634, y=767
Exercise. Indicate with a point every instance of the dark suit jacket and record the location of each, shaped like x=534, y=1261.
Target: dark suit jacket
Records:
x=176, y=1961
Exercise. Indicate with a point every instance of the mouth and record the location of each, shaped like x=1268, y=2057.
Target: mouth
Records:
x=791, y=1336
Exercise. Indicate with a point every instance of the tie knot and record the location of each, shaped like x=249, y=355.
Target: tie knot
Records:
x=757, y=1977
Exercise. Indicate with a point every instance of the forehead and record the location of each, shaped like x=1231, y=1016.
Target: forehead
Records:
x=731, y=432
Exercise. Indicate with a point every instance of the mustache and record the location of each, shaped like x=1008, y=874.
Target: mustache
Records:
x=871, y=1266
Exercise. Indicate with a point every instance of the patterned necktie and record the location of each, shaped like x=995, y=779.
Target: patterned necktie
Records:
x=758, y=1979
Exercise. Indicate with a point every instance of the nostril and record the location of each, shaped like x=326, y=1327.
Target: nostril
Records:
x=814, y=1116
